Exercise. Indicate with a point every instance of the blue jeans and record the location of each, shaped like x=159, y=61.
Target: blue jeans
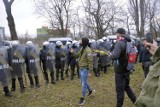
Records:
x=84, y=77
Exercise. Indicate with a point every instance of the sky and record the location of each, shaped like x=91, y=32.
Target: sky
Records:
x=25, y=18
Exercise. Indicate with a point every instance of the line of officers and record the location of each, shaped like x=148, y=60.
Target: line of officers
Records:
x=52, y=59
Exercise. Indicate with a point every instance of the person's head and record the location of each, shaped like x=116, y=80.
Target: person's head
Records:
x=46, y=43
x=29, y=43
x=143, y=40
x=14, y=43
x=120, y=32
x=59, y=44
x=151, y=47
x=104, y=38
x=84, y=42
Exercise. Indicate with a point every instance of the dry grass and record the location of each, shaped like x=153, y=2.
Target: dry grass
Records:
x=67, y=93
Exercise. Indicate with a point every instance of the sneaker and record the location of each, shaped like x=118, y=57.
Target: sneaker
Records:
x=81, y=102
x=91, y=92
x=9, y=94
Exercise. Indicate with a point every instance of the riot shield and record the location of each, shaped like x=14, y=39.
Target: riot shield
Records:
x=4, y=53
x=5, y=77
x=32, y=59
x=53, y=47
x=93, y=45
x=50, y=57
x=17, y=61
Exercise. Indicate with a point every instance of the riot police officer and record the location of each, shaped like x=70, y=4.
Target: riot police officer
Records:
x=72, y=60
x=16, y=62
x=67, y=48
x=60, y=60
x=5, y=77
x=47, y=57
x=32, y=63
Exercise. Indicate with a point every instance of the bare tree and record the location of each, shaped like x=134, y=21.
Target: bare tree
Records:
x=153, y=12
x=57, y=12
x=99, y=14
x=134, y=11
x=11, y=23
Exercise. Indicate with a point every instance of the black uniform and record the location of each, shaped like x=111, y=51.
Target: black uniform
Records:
x=73, y=62
x=144, y=58
x=60, y=62
x=47, y=58
x=32, y=64
x=16, y=61
x=5, y=75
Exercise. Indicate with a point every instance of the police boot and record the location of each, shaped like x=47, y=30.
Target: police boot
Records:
x=52, y=77
x=31, y=81
x=96, y=72
x=21, y=85
x=13, y=85
x=7, y=92
x=72, y=74
x=67, y=73
x=62, y=74
x=37, y=81
x=46, y=77
x=105, y=69
x=78, y=71
x=57, y=75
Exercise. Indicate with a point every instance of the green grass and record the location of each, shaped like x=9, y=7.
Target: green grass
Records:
x=67, y=93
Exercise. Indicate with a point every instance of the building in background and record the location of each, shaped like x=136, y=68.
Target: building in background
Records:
x=2, y=33
x=45, y=31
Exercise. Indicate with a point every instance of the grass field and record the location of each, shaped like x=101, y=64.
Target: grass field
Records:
x=67, y=93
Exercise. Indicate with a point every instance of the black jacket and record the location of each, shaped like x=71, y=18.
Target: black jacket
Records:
x=144, y=54
x=119, y=54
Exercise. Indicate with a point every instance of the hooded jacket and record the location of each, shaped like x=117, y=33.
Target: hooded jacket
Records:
x=119, y=54
x=85, y=55
x=150, y=94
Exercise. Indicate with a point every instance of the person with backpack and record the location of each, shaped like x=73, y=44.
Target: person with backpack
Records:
x=122, y=75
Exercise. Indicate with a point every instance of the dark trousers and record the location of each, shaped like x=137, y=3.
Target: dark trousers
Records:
x=46, y=76
x=122, y=81
x=31, y=80
x=145, y=66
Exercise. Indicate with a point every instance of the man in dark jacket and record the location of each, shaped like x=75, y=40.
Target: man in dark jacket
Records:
x=122, y=75
x=144, y=58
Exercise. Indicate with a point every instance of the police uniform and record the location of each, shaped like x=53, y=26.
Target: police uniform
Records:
x=47, y=58
x=60, y=62
x=17, y=62
x=32, y=64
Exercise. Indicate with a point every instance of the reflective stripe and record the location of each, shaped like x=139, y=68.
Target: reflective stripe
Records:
x=5, y=66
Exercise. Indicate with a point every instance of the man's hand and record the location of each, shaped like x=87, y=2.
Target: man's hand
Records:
x=71, y=50
x=151, y=47
x=109, y=54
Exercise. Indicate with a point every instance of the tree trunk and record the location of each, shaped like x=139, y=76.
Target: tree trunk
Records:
x=128, y=25
x=10, y=19
x=137, y=18
x=142, y=12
